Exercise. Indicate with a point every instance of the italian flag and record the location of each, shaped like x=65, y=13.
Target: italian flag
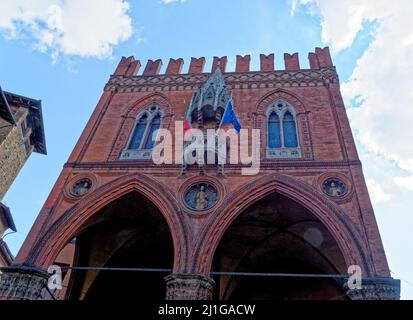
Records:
x=187, y=125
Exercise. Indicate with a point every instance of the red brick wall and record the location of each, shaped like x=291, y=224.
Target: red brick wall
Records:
x=317, y=93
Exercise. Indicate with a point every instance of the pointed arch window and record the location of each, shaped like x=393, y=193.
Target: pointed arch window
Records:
x=282, y=132
x=141, y=141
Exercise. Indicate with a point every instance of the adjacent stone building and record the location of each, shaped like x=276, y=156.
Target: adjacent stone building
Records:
x=6, y=223
x=21, y=133
x=205, y=230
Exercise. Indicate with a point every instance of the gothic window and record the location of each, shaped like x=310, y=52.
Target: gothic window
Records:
x=141, y=141
x=282, y=132
x=274, y=131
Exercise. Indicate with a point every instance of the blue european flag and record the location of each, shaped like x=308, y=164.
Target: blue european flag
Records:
x=231, y=117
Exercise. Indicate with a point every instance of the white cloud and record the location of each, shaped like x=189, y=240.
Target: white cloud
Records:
x=343, y=19
x=377, y=194
x=75, y=28
x=404, y=182
x=382, y=80
x=382, y=85
x=140, y=39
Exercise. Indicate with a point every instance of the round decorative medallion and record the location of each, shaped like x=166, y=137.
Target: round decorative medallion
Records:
x=201, y=196
x=81, y=187
x=334, y=187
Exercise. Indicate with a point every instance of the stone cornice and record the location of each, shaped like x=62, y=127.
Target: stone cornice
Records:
x=375, y=288
x=149, y=165
x=234, y=80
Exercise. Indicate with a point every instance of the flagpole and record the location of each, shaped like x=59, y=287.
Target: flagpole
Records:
x=187, y=108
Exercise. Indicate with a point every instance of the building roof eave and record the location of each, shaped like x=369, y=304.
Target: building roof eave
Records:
x=5, y=110
x=35, y=111
x=5, y=211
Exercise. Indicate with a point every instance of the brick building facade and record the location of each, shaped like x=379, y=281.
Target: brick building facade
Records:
x=307, y=210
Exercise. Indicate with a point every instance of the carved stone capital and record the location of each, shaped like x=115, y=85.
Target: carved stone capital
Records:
x=189, y=287
x=22, y=282
x=377, y=288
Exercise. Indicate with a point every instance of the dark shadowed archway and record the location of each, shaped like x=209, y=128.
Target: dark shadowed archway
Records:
x=130, y=232
x=278, y=235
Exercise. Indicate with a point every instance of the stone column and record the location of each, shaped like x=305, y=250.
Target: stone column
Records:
x=189, y=287
x=22, y=282
x=376, y=288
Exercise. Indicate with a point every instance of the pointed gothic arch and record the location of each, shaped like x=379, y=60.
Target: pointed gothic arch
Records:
x=45, y=250
x=280, y=94
x=327, y=212
x=156, y=98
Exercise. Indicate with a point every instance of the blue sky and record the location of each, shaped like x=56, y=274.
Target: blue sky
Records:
x=51, y=52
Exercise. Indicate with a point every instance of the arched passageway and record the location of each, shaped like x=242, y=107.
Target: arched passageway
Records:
x=278, y=235
x=130, y=232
